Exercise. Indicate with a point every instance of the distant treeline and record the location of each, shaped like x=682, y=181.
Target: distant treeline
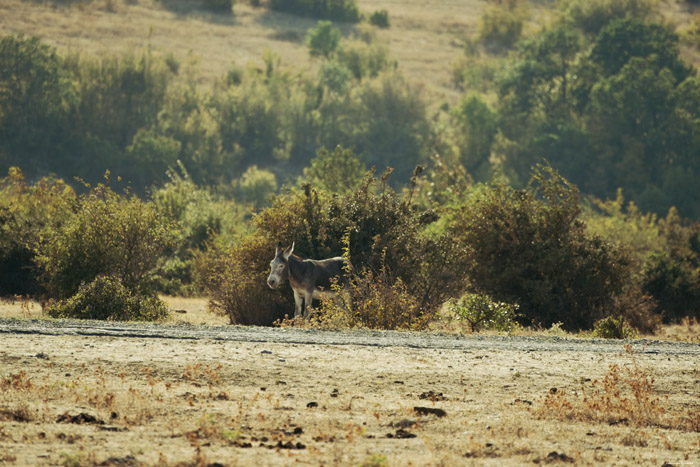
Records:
x=601, y=93
x=137, y=115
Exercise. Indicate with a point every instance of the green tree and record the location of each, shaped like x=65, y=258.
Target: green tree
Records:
x=339, y=171
x=37, y=98
x=476, y=127
x=323, y=40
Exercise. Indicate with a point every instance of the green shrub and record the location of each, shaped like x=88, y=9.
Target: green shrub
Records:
x=364, y=59
x=477, y=127
x=201, y=217
x=594, y=15
x=109, y=234
x=481, y=312
x=256, y=186
x=106, y=298
x=36, y=105
x=375, y=301
x=530, y=247
x=236, y=280
x=613, y=328
x=335, y=10
x=380, y=18
x=25, y=212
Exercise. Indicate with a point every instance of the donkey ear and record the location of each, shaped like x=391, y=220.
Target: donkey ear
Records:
x=288, y=252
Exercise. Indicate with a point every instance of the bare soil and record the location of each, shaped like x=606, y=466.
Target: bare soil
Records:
x=88, y=393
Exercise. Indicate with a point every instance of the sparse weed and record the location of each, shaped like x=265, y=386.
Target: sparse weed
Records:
x=625, y=396
x=375, y=460
x=556, y=330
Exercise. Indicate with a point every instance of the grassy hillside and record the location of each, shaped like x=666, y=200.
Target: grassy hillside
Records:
x=425, y=36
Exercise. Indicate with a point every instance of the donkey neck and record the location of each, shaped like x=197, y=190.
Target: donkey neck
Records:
x=297, y=268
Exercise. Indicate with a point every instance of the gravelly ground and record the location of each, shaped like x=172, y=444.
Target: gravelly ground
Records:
x=184, y=395
x=418, y=340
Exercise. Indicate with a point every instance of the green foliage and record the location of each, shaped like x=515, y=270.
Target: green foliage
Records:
x=323, y=40
x=106, y=298
x=620, y=113
x=474, y=70
x=476, y=127
x=613, y=328
x=380, y=18
x=256, y=186
x=25, y=212
x=119, y=96
x=593, y=15
x=501, y=24
x=201, y=217
x=481, y=312
x=392, y=127
x=251, y=119
x=109, y=234
x=219, y=6
x=364, y=59
x=530, y=247
x=339, y=171
x=335, y=10
x=665, y=264
x=672, y=275
x=35, y=103
x=622, y=40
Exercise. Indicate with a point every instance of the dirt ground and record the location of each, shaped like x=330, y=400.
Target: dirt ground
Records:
x=86, y=400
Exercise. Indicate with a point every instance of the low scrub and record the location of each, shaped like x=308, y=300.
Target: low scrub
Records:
x=480, y=312
x=109, y=234
x=625, y=396
x=613, y=328
x=106, y=298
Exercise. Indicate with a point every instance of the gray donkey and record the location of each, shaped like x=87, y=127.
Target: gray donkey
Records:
x=309, y=278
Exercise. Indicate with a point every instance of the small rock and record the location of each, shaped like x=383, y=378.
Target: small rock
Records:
x=430, y=411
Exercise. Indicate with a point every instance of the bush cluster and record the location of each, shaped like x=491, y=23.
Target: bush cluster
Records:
x=530, y=247
x=382, y=231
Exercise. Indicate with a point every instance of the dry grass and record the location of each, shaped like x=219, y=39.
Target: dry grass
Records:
x=424, y=38
x=625, y=396
x=115, y=401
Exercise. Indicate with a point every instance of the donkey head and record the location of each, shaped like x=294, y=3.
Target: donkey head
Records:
x=279, y=269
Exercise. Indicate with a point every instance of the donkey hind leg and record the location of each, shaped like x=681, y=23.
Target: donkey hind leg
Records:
x=298, y=299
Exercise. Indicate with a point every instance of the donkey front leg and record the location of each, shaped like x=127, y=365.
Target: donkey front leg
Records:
x=298, y=299
x=308, y=301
